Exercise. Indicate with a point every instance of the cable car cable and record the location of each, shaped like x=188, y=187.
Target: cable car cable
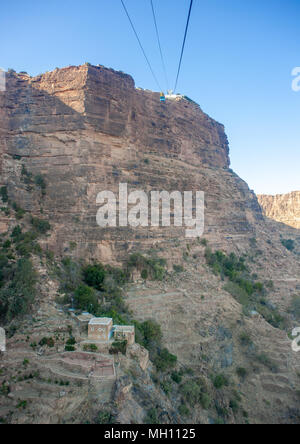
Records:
x=159, y=45
x=141, y=46
x=183, y=45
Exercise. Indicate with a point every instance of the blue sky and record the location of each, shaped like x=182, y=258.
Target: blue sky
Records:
x=237, y=65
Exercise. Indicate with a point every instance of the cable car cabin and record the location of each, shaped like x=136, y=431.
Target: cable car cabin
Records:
x=162, y=97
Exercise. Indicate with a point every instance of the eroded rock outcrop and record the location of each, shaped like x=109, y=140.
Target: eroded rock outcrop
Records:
x=284, y=208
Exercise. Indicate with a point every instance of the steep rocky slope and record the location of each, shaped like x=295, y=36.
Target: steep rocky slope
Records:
x=283, y=208
x=82, y=130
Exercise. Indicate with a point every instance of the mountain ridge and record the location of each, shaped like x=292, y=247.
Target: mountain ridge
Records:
x=284, y=208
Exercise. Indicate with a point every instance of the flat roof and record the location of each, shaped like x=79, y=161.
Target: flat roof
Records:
x=100, y=321
x=84, y=317
x=129, y=328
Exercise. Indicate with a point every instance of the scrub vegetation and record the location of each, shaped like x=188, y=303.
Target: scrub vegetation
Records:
x=243, y=286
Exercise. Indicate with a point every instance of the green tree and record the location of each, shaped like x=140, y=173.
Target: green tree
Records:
x=19, y=293
x=191, y=392
x=94, y=276
x=41, y=225
x=85, y=298
x=164, y=360
x=3, y=194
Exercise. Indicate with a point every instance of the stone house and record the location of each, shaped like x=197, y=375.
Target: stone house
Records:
x=124, y=333
x=100, y=329
x=83, y=321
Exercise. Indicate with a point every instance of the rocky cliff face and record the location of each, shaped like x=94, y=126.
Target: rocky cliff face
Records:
x=86, y=129
x=283, y=208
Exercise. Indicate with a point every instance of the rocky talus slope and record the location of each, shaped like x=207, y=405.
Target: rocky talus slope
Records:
x=284, y=208
x=84, y=130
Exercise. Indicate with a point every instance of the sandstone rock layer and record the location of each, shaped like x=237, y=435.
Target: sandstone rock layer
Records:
x=284, y=208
